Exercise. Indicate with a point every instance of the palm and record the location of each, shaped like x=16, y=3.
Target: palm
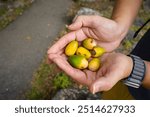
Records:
x=105, y=78
x=84, y=77
x=56, y=54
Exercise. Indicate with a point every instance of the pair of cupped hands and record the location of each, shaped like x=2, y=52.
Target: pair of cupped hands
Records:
x=108, y=34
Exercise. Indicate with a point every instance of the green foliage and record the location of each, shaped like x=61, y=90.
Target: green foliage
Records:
x=134, y=27
x=127, y=45
x=3, y=11
x=19, y=10
x=42, y=82
x=61, y=81
x=7, y=15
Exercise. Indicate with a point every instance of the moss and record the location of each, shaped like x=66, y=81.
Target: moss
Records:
x=134, y=27
x=7, y=16
x=19, y=10
x=42, y=82
x=3, y=11
x=61, y=81
x=103, y=6
x=46, y=81
x=127, y=45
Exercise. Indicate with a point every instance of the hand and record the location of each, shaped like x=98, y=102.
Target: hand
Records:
x=108, y=33
x=108, y=37
x=115, y=66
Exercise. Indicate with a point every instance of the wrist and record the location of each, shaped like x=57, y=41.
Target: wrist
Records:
x=129, y=66
x=122, y=27
x=146, y=80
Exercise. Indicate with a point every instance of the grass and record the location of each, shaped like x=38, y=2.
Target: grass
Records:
x=9, y=15
x=46, y=81
x=61, y=81
x=3, y=11
x=41, y=83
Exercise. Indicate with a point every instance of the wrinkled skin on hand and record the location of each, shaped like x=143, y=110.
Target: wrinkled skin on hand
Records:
x=108, y=35
x=115, y=66
x=106, y=31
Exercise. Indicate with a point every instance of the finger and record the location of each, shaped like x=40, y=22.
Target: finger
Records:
x=48, y=61
x=62, y=42
x=82, y=21
x=76, y=74
x=99, y=73
x=91, y=76
x=106, y=45
x=98, y=85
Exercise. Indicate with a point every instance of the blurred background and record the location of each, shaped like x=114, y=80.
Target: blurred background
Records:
x=29, y=27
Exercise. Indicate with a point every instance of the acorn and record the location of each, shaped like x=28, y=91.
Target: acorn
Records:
x=71, y=48
x=89, y=43
x=84, y=52
x=94, y=64
x=78, y=61
x=97, y=51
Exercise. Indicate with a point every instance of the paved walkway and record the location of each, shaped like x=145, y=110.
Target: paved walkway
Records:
x=24, y=43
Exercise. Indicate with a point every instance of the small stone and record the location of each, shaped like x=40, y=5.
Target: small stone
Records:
x=138, y=21
x=87, y=11
x=75, y=94
x=146, y=5
x=32, y=1
x=18, y=4
x=129, y=35
x=28, y=38
x=7, y=89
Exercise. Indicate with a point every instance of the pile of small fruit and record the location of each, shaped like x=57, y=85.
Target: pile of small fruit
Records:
x=84, y=56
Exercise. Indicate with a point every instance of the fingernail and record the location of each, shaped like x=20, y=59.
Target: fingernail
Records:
x=66, y=26
x=70, y=25
x=93, y=90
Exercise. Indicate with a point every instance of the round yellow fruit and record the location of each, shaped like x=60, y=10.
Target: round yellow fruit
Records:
x=89, y=43
x=78, y=61
x=97, y=51
x=84, y=52
x=71, y=48
x=94, y=64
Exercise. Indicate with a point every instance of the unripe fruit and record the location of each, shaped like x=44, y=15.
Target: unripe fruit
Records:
x=84, y=52
x=71, y=48
x=97, y=51
x=89, y=43
x=78, y=61
x=94, y=64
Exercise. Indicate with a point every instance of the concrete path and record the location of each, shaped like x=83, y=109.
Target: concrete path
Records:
x=24, y=43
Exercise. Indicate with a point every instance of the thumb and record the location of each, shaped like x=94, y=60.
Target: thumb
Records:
x=104, y=83
x=81, y=21
x=101, y=84
x=77, y=24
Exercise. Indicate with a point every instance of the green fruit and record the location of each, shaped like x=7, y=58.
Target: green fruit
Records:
x=97, y=51
x=78, y=61
x=84, y=52
x=94, y=64
x=71, y=48
x=89, y=43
